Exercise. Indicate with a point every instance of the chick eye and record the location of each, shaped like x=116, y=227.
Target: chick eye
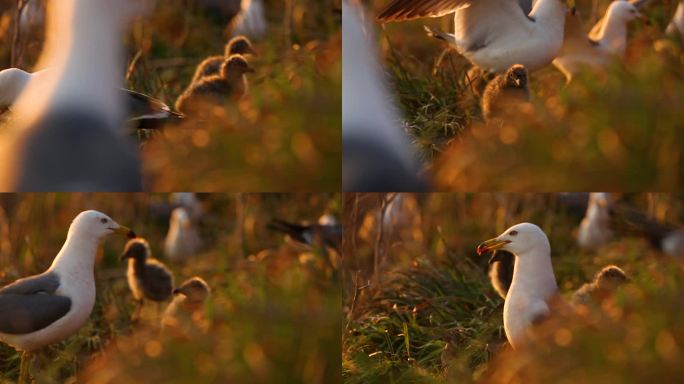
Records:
x=103, y=220
x=513, y=233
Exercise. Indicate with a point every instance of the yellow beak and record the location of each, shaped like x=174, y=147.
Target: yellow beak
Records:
x=125, y=231
x=491, y=245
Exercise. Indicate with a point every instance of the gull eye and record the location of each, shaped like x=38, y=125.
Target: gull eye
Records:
x=513, y=233
x=103, y=220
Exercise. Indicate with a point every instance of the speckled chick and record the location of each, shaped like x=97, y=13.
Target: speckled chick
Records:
x=238, y=45
x=231, y=83
x=505, y=93
x=185, y=314
x=604, y=283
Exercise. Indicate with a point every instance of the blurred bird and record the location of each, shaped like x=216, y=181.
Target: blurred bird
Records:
x=594, y=230
x=494, y=34
x=604, y=284
x=49, y=307
x=239, y=45
x=148, y=278
x=143, y=112
x=230, y=84
x=185, y=314
x=505, y=94
x=606, y=41
x=253, y=21
x=676, y=25
x=328, y=232
x=66, y=132
x=533, y=289
x=668, y=238
x=377, y=155
x=244, y=17
x=501, y=267
x=182, y=240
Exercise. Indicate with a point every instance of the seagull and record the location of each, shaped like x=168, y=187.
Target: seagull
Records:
x=253, y=22
x=185, y=314
x=43, y=309
x=533, y=284
x=505, y=94
x=676, y=25
x=239, y=45
x=144, y=112
x=494, y=34
x=327, y=232
x=231, y=83
x=594, y=230
x=533, y=288
x=377, y=155
x=182, y=240
x=606, y=41
x=66, y=132
x=148, y=278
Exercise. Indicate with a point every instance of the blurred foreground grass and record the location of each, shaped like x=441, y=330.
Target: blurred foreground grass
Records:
x=428, y=314
x=283, y=136
x=618, y=131
x=274, y=311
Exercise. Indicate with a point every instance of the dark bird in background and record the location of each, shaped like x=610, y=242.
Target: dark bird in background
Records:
x=148, y=278
x=326, y=233
x=239, y=45
x=505, y=93
x=501, y=266
x=231, y=83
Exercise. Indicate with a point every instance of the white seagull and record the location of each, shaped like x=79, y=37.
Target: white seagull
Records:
x=533, y=290
x=143, y=111
x=66, y=132
x=606, y=42
x=377, y=155
x=182, y=240
x=534, y=283
x=49, y=307
x=676, y=25
x=494, y=34
x=595, y=230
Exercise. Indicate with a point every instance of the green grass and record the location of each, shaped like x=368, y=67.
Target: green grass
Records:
x=274, y=311
x=429, y=315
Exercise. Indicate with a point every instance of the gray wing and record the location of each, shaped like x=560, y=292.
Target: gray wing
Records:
x=46, y=282
x=29, y=304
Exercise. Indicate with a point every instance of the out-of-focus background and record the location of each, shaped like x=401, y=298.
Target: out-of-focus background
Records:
x=283, y=136
x=274, y=309
x=419, y=307
x=617, y=131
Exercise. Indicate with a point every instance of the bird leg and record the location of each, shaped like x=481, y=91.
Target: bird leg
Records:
x=137, y=313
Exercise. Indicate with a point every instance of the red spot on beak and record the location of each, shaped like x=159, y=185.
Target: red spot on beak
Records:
x=481, y=249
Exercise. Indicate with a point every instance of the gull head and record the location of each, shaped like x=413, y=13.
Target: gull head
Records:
x=136, y=249
x=234, y=67
x=98, y=225
x=180, y=218
x=194, y=288
x=516, y=76
x=240, y=45
x=623, y=11
x=518, y=239
x=12, y=82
